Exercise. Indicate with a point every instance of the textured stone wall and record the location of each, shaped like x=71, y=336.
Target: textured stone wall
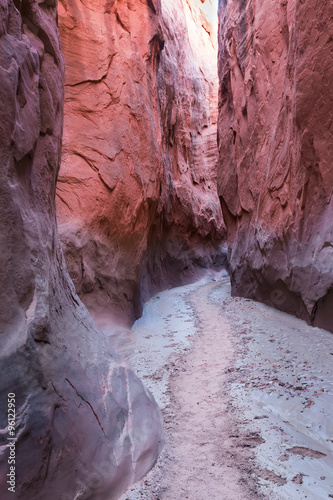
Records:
x=188, y=229
x=275, y=174
x=136, y=197
x=85, y=425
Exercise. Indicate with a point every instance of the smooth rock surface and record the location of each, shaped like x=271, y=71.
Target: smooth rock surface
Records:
x=86, y=427
x=136, y=198
x=275, y=174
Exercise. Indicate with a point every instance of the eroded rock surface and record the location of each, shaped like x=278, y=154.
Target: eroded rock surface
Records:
x=85, y=425
x=275, y=173
x=137, y=203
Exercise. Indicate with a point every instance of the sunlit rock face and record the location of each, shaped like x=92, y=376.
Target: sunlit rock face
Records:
x=275, y=173
x=136, y=198
x=85, y=425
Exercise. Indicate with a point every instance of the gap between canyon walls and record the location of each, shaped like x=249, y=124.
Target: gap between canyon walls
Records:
x=137, y=201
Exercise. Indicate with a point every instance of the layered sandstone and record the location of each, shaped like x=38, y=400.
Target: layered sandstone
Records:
x=85, y=425
x=275, y=173
x=137, y=203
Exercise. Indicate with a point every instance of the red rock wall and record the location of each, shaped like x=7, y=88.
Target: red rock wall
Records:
x=137, y=203
x=85, y=425
x=275, y=174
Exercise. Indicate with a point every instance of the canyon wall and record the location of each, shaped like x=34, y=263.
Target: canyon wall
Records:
x=136, y=199
x=85, y=425
x=275, y=173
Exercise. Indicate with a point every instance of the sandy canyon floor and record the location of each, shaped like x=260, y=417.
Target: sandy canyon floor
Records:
x=246, y=394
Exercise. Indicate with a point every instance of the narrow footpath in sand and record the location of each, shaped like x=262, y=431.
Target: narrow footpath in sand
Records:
x=246, y=394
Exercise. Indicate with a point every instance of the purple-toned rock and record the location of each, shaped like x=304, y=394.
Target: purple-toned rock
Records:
x=85, y=425
x=275, y=174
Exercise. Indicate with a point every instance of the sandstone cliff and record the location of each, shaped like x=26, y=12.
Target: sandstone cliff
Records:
x=85, y=425
x=275, y=173
x=136, y=198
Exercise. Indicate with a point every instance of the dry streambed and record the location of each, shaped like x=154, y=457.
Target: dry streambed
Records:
x=246, y=394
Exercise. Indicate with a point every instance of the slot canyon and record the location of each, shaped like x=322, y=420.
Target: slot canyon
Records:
x=166, y=246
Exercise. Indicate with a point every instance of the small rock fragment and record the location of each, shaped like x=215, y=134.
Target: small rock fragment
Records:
x=298, y=479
